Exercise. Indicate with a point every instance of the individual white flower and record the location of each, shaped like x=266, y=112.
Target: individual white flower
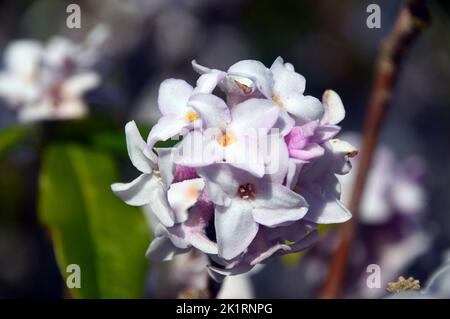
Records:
x=47, y=82
x=148, y=188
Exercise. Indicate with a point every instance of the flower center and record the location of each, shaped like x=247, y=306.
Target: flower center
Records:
x=192, y=116
x=244, y=88
x=227, y=139
x=277, y=100
x=192, y=192
x=247, y=191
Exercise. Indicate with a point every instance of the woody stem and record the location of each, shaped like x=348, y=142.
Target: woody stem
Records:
x=411, y=20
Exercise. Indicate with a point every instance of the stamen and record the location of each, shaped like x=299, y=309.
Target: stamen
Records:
x=192, y=116
x=227, y=139
x=352, y=154
x=247, y=191
x=244, y=88
x=277, y=100
x=403, y=284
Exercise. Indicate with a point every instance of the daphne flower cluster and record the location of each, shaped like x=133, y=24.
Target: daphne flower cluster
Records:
x=252, y=176
x=47, y=82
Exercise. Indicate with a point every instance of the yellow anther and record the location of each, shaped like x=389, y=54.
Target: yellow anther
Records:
x=352, y=154
x=192, y=116
x=227, y=139
x=277, y=100
x=247, y=191
x=192, y=192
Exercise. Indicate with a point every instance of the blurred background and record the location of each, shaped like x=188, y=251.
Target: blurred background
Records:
x=405, y=218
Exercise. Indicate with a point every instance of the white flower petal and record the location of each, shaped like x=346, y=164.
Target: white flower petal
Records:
x=197, y=150
x=200, y=68
x=22, y=57
x=334, y=108
x=34, y=113
x=167, y=127
x=235, y=228
x=286, y=80
x=275, y=205
x=173, y=96
x=184, y=195
x=284, y=123
x=254, y=114
x=138, y=192
x=277, y=157
x=304, y=108
x=140, y=153
x=16, y=90
x=244, y=154
x=79, y=84
x=294, y=168
x=324, y=208
x=342, y=152
x=166, y=165
x=257, y=72
x=212, y=110
x=146, y=189
x=206, y=83
x=220, y=182
x=203, y=243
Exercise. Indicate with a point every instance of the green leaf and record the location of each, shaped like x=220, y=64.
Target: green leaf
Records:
x=295, y=258
x=89, y=226
x=10, y=137
x=112, y=142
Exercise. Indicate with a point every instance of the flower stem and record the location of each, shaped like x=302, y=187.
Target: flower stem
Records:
x=411, y=20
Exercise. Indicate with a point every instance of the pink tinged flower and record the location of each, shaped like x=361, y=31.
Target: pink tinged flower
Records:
x=235, y=138
x=304, y=142
x=176, y=106
x=318, y=184
x=183, y=236
x=244, y=202
x=148, y=188
x=301, y=142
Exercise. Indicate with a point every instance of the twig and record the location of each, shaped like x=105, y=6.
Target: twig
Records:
x=411, y=20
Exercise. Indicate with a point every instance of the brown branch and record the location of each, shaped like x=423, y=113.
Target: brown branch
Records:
x=411, y=20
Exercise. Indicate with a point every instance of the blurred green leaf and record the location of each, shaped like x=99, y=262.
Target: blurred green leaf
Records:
x=290, y=260
x=324, y=228
x=10, y=137
x=111, y=141
x=89, y=226
x=293, y=259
